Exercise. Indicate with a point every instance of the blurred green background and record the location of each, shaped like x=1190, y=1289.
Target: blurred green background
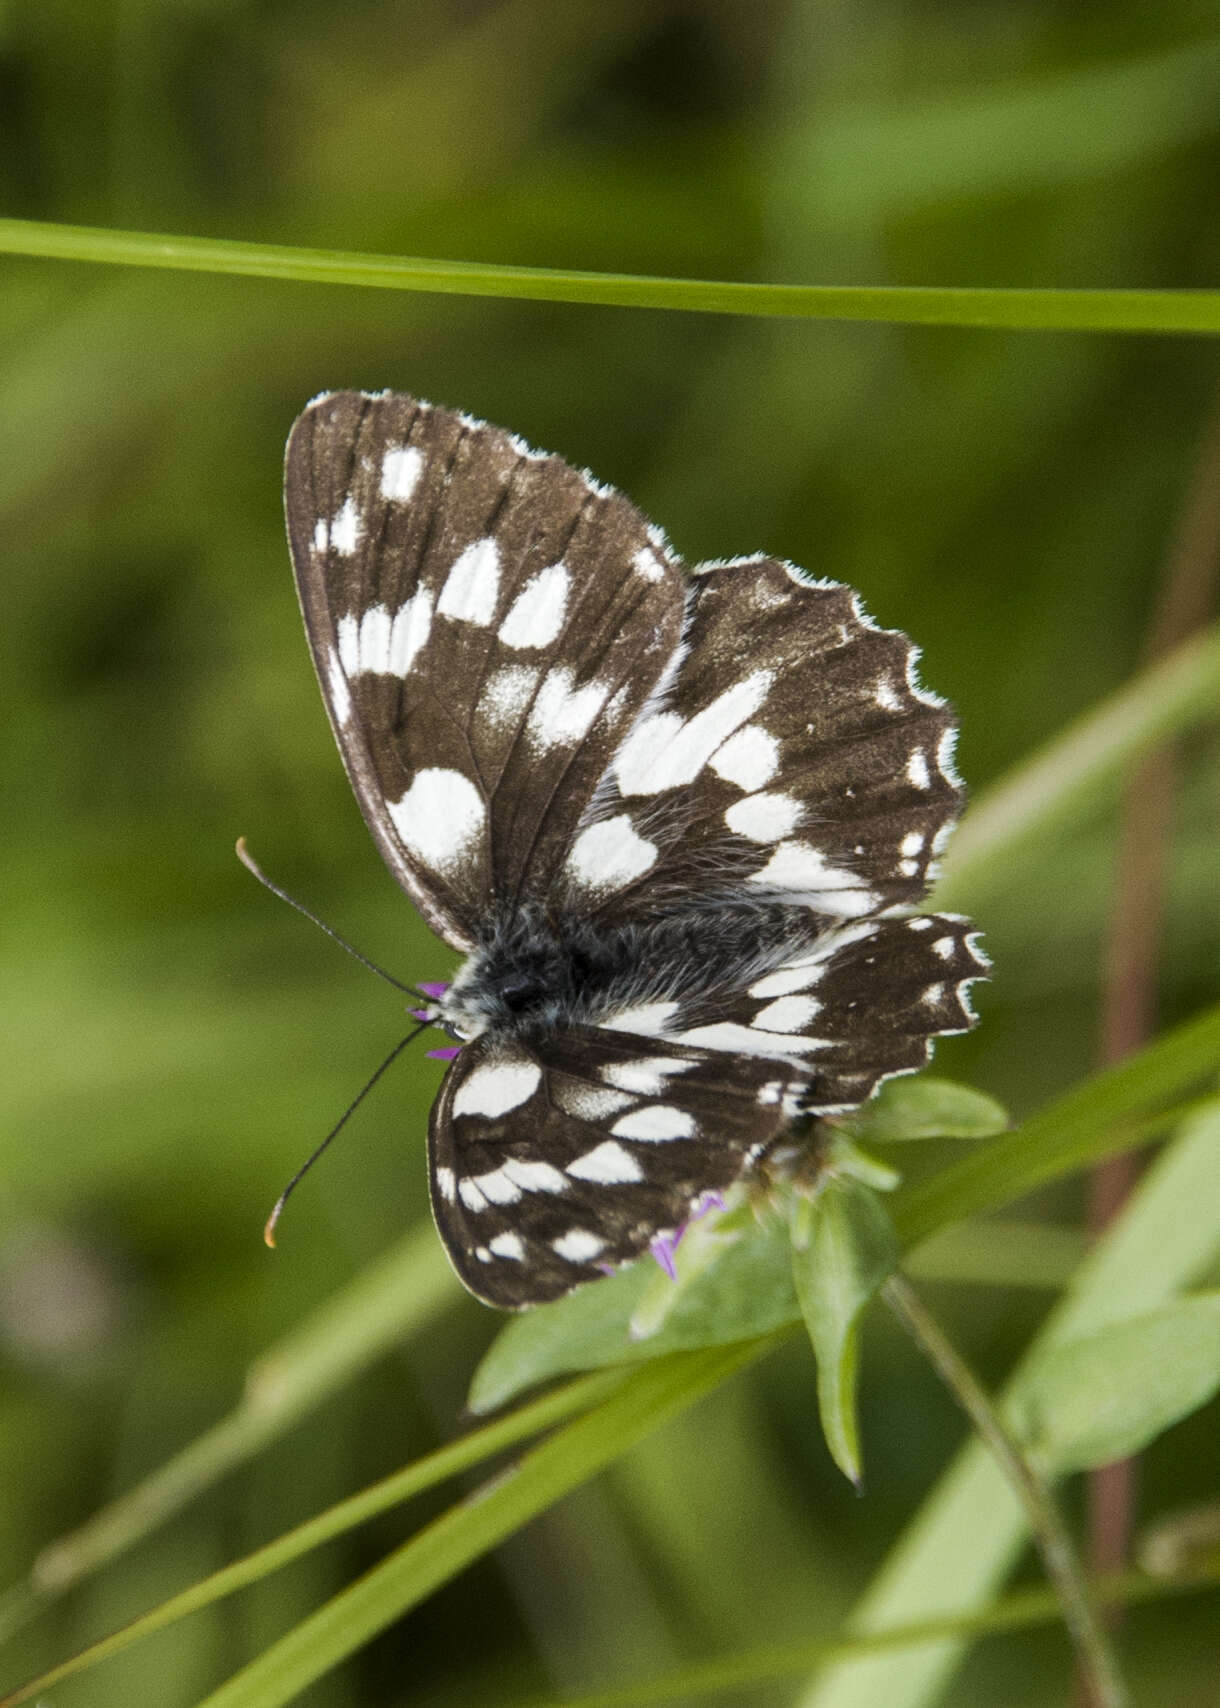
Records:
x=173, y=1042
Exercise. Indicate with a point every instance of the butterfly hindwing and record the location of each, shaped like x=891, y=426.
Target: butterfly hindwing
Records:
x=485, y=622
x=558, y=1154
x=858, y=1002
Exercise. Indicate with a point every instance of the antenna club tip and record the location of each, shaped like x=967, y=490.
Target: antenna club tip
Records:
x=269, y=1227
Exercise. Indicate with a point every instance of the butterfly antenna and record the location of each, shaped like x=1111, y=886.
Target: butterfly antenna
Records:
x=278, y=1210
x=251, y=864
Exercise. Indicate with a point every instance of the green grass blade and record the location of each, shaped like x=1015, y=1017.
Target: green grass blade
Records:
x=1064, y=1136
x=1042, y=310
x=1015, y=1612
x=446, y=1547
x=1038, y=793
x=391, y=1491
x=393, y=1297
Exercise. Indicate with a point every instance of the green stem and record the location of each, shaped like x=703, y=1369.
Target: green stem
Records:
x=1098, y=1667
x=1017, y=1612
x=1041, y=310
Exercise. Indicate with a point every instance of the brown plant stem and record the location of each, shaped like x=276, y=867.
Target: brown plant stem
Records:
x=1187, y=584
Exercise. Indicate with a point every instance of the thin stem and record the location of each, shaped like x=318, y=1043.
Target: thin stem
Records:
x=742, y=1671
x=1085, y=1626
x=1187, y=586
x=1190, y=311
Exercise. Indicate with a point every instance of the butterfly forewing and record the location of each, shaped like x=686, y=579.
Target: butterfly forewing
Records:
x=558, y=1154
x=486, y=622
x=795, y=757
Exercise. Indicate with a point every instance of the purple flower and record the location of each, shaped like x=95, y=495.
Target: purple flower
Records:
x=445, y=1055
x=664, y=1247
x=433, y=989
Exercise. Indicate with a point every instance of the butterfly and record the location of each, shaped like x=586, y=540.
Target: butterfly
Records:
x=676, y=822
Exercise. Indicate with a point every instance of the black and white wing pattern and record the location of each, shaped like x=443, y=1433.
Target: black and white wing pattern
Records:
x=678, y=822
x=557, y=1154
x=794, y=755
x=486, y=622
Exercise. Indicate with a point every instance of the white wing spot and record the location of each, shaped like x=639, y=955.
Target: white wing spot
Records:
x=945, y=947
x=496, y=1187
x=647, y=1077
x=770, y=1093
x=470, y=1195
x=340, y=695
x=536, y=614
x=945, y=750
x=346, y=529
x=787, y=1014
x=787, y=979
x=917, y=770
x=409, y=631
x=507, y=1245
x=441, y=818
x=647, y=1017
x=607, y=1164
x=748, y=1040
x=749, y=759
x=663, y=751
x=648, y=564
x=912, y=843
x=885, y=695
x=497, y=1087
x=795, y=866
x=562, y=713
x=656, y=1122
x=578, y=1245
x=347, y=634
x=401, y=468
x=535, y=1176
x=507, y=694
x=908, y=868
x=589, y=1102
x=375, y=631
x=610, y=854
x=446, y=1185
x=473, y=585
x=763, y=818
x=321, y=534
x=934, y=995
x=921, y=923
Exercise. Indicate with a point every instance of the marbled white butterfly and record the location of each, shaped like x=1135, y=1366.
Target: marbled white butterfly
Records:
x=676, y=821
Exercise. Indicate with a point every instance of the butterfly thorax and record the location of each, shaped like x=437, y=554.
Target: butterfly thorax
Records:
x=535, y=969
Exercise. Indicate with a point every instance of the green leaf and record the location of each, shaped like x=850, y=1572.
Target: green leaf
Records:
x=1108, y=1394
x=746, y=1291
x=842, y=1251
x=926, y=1108
x=1077, y=1129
